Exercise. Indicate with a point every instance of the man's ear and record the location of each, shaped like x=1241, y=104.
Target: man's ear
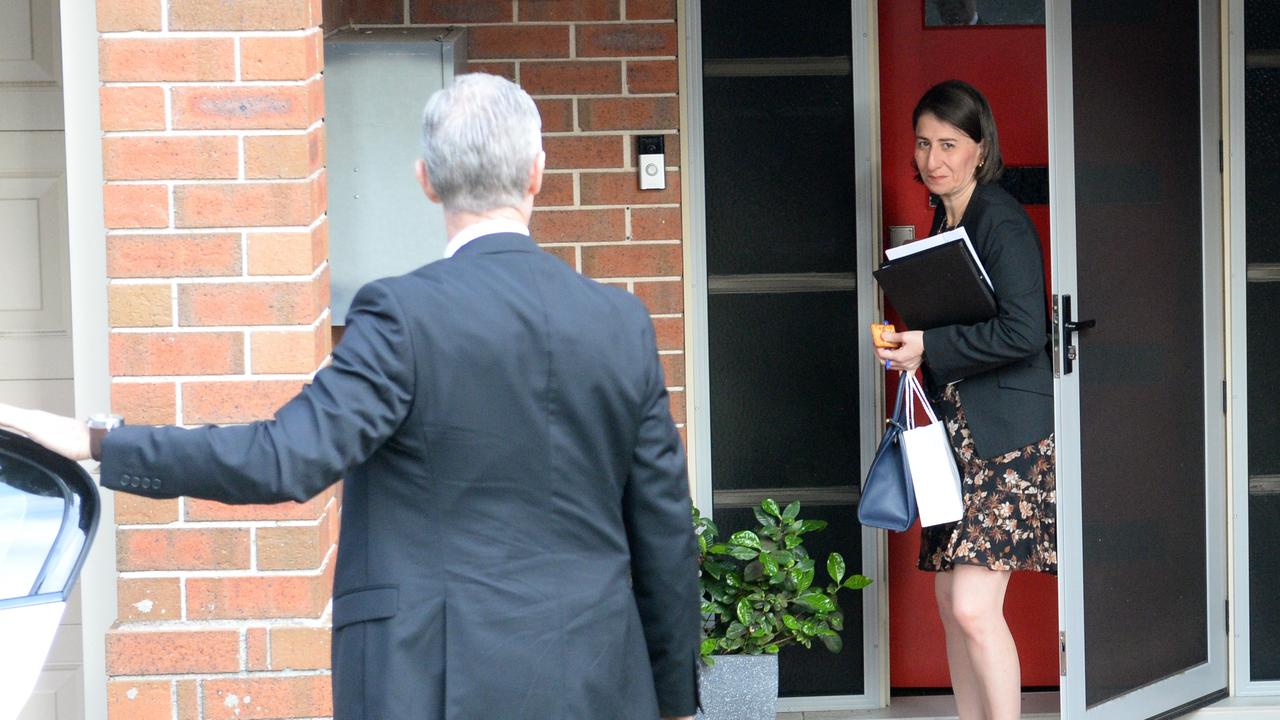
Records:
x=535, y=173
x=420, y=170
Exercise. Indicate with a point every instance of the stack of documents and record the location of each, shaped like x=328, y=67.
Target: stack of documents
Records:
x=938, y=281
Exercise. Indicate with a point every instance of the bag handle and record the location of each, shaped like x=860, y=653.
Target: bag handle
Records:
x=917, y=392
x=897, y=417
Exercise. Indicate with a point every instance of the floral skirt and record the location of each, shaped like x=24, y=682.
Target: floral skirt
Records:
x=1010, y=507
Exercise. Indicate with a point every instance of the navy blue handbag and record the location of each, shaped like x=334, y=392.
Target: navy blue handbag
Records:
x=888, y=500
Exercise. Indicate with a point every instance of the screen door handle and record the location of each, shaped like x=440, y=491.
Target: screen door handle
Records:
x=1065, y=346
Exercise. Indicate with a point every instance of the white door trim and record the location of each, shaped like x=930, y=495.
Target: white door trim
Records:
x=88, y=260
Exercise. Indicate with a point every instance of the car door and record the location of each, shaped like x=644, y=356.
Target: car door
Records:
x=49, y=512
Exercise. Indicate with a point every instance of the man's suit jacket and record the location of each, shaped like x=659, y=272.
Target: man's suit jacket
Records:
x=1008, y=375
x=516, y=538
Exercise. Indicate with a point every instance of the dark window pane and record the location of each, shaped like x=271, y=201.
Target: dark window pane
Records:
x=767, y=28
x=816, y=671
x=779, y=180
x=32, y=504
x=1264, y=378
x=1141, y=369
x=1261, y=25
x=1264, y=587
x=1262, y=164
x=784, y=390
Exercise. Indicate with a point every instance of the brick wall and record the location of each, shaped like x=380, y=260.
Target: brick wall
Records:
x=215, y=195
x=602, y=72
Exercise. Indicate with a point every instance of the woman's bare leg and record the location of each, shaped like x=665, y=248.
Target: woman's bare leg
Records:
x=964, y=683
x=971, y=602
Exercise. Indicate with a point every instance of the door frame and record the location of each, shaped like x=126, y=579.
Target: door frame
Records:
x=86, y=232
x=1062, y=205
x=874, y=560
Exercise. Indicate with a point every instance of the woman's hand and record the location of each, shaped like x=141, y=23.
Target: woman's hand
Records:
x=908, y=355
x=66, y=436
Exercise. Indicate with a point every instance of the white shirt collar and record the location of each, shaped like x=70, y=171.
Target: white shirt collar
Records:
x=482, y=228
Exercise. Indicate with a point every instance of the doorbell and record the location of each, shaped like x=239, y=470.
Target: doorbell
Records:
x=653, y=162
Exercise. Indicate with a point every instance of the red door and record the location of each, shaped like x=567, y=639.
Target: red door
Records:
x=1008, y=65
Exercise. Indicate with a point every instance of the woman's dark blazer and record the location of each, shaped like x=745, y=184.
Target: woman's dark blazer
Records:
x=1007, y=393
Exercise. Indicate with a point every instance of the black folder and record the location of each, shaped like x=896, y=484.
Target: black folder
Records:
x=939, y=286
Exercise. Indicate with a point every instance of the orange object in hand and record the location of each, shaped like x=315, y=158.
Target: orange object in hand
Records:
x=877, y=335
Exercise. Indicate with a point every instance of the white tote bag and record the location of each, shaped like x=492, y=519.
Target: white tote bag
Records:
x=932, y=463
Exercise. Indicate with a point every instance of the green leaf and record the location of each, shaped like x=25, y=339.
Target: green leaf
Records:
x=762, y=517
x=743, y=553
x=817, y=601
x=790, y=621
x=753, y=571
x=832, y=641
x=784, y=558
x=792, y=541
x=735, y=631
x=791, y=512
x=708, y=646
x=718, y=549
x=746, y=538
x=771, y=648
x=769, y=564
x=733, y=580
x=836, y=620
x=804, y=579
x=835, y=566
x=771, y=507
x=744, y=612
x=857, y=582
x=812, y=526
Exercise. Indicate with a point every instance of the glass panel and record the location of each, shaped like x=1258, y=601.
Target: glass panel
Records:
x=1262, y=164
x=767, y=28
x=784, y=390
x=1142, y=403
x=32, y=504
x=1264, y=587
x=1264, y=378
x=814, y=671
x=779, y=180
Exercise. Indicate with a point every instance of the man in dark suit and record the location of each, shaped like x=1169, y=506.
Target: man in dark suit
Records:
x=516, y=538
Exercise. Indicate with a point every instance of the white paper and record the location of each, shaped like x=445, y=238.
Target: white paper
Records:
x=959, y=233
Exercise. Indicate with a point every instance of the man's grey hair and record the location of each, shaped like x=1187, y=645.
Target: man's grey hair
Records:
x=480, y=137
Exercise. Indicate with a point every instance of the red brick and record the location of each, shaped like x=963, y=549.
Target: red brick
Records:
x=202, y=549
x=567, y=253
x=131, y=108
x=673, y=369
x=281, y=352
x=657, y=76
x=677, y=401
x=257, y=596
x=135, y=206
x=300, y=648
x=568, y=10
x=241, y=15
x=172, y=59
x=629, y=113
x=375, y=12
x=156, y=653
x=662, y=223
x=252, y=303
x=288, y=253
x=501, y=69
x=246, y=204
x=662, y=296
x=296, y=155
x=266, y=698
x=623, y=188
x=246, y=107
x=170, y=157
x=670, y=333
x=294, y=547
x=256, y=649
x=220, y=403
x=553, y=226
x=583, y=151
x=198, y=353
x=651, y=9
x=557, y=115
x=145, y=403
x=448, y=12
x=148, y=599
x=139, y=305
x=518, y=41
x=634, y=260
x=210, y=511
x=125, y=15
x=137, y=510
x=280, y=57
x=188, y=700
x=557, y=190
x=571, y=78
x=139, y=700
x=173, y=255
x=626, y=40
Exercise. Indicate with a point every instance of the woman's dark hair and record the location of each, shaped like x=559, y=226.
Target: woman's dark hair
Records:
x=958, y=103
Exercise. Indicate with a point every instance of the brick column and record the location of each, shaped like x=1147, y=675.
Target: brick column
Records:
x=215, y=198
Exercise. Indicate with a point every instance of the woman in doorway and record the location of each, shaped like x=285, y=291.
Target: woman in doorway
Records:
x=1002, y=432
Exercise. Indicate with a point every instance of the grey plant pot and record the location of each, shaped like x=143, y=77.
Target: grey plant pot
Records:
x=739, y=687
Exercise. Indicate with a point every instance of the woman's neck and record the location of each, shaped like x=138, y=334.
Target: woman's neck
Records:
x=956, y=202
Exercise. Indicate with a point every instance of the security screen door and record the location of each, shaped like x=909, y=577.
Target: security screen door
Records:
x=1136, y=198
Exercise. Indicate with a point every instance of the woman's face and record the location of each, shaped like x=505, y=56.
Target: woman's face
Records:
x=946, y=158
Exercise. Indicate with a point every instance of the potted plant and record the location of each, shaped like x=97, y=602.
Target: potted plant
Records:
x=759, y=595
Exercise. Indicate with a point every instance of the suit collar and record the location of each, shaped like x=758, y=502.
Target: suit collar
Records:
x=497, y=243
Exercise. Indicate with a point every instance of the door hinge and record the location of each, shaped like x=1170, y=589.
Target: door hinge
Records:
x=1224, y=397
x=1062, y=653
x=1227, y=603
x=1220, y=159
